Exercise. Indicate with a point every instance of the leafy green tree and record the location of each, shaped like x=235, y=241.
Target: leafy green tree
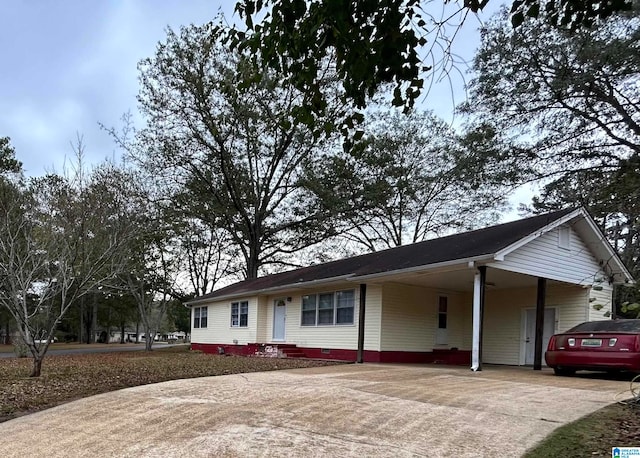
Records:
x=613, y=199
x=179, y=316
x=568, y=101
x=409, y=179
x=373, y=43
x=116, y=309
x=225, y=132
x=9, y=165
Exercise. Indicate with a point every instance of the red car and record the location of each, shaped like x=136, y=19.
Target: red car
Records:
x=610, y=345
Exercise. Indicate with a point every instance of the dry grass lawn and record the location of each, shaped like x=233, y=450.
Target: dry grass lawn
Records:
x=70, y=377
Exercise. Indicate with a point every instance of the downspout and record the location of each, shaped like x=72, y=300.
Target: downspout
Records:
x=361, y=314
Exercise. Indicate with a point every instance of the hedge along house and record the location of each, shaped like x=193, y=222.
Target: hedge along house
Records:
x=493, y=295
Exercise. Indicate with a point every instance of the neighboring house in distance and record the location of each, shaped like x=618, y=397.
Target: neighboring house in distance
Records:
x=468, y=298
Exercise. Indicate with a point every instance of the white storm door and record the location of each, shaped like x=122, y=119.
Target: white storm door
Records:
x=530, y=332
x=279, y=318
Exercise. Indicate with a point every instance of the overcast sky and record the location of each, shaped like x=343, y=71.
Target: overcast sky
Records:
x=68, y=65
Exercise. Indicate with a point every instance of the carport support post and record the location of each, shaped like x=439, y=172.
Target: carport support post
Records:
x=361, y=310
x=542, y=292
x=479, y=281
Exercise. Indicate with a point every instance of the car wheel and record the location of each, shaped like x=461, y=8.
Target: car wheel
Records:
x=563, y=371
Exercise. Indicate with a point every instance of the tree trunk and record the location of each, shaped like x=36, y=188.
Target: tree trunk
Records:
x=7, y=339
x=148, y=340
x=137, y=332
x=122, y=338
x=37, y=366
x=94, y=318
x=81, y=331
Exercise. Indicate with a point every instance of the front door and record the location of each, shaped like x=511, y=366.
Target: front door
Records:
x=530, y=332
x=279, y=317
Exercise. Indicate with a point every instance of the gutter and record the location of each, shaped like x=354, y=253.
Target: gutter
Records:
x=290, y=286
x=469, y=261
x=349, y=277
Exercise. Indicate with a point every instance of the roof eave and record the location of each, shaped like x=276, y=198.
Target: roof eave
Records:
x=424, y=267
x=274, y=289
x=500, y=255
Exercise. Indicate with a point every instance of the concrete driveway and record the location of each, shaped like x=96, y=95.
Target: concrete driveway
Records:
x=349, y=410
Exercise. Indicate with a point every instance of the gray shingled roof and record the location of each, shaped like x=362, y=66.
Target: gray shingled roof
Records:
x=453, y=247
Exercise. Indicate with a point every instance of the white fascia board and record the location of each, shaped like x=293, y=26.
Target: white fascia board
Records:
x=423, y=268
x=499, y=256
x=275, y=289
x=611, y=254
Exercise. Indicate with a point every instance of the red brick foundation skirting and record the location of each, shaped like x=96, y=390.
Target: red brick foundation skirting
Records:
x=458, y=357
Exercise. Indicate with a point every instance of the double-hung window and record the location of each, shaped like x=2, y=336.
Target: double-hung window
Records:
x=239, y=314
x=200, y=317
x=326, y=309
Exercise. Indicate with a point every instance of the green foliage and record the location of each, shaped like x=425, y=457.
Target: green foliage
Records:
x=568, y=102
x=180, y=316
x=631, y=310
x=576, y=110
x=572, y=14
x=8, y=161
x=372, y=43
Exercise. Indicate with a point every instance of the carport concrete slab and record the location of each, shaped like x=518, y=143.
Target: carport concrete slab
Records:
x=348, y=410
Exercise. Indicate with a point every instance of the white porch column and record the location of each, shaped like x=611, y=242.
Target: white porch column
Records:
x=475, y=345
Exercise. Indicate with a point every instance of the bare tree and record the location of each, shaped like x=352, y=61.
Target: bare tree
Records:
x=210, y=254
x=236, y=149
x=60, y=239
x=410, y=178
x=154, y=261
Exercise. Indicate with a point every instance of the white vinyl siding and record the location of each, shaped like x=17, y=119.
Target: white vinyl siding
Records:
x=262, y=333
x=219, y=330
x=543, y=258
x=503, y=333
x=572, y=304
x=342, y=336
x=410, y=318
x=373, y=318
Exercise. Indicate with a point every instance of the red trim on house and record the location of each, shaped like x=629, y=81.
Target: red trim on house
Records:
x=456, y=357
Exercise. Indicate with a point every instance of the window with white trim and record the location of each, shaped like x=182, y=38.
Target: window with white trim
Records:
x=239, y=314
x=200, y=317
x=327, y=309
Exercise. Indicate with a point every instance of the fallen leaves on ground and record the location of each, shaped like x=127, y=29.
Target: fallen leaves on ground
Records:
x=69, y=377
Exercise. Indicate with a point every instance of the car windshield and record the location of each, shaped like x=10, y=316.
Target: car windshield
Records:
x=608, y=326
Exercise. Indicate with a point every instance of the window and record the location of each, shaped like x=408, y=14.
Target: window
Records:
x=344, y=307
x=200, y=317
x=442, y=336
x=564, y=237
x=328, y=309
x=442, y=312
x=309, y=310
x=239, y=314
